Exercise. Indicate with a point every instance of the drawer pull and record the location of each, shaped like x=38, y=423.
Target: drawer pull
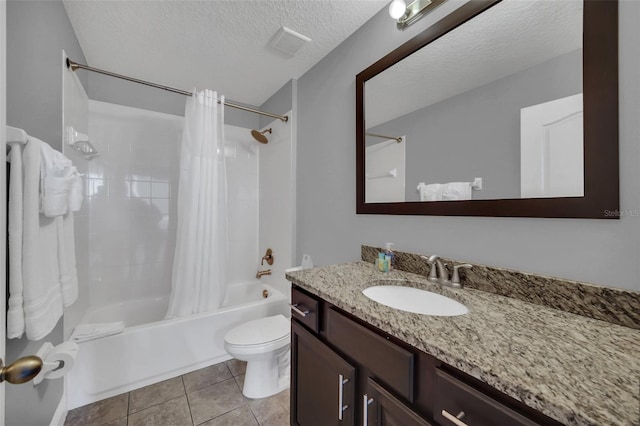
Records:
x=366, y=401
x=341, y=406
x=302, y=313
x=456, y=420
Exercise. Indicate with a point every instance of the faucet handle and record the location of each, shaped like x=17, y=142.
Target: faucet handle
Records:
x=433, y=272
x=455, y=278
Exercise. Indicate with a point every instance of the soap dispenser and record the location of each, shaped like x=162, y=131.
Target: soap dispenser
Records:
x=390, y=255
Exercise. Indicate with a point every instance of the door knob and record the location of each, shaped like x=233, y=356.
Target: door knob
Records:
x=21, y=370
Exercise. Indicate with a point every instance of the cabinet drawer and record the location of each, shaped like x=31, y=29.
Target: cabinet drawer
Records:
x=472, y=407
x=380, y=408
x=388, y=362
x=305, y=309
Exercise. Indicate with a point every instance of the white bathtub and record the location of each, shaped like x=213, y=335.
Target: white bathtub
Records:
x=152, y=349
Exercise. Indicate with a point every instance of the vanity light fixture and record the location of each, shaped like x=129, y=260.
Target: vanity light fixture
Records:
x=406, y=15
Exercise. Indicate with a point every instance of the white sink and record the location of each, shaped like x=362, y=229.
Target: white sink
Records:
x=415, y=300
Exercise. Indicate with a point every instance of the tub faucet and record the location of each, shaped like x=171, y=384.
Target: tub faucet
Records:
x=262, y=273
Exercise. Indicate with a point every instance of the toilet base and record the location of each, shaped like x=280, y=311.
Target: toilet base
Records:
x=263, y=379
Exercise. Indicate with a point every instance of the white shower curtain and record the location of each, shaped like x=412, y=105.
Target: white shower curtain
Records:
x=200, y=262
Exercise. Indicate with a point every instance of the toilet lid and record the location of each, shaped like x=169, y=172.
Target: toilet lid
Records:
x=260, y=331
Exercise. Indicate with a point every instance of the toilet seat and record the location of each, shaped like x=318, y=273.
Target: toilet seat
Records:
x=269, y=331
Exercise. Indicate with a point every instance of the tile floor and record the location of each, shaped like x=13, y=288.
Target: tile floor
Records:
x=211, y=396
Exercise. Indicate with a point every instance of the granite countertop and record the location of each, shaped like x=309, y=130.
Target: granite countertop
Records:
x=575, y=369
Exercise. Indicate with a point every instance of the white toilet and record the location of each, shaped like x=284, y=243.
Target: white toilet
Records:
x=264, y=344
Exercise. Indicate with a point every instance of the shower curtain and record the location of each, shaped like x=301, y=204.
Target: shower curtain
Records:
x=198, y=282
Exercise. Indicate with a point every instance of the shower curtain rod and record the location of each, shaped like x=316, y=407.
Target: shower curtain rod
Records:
x=396, y=138
x=73, y=66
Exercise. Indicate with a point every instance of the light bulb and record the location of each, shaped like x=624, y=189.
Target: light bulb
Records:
x=397, y=8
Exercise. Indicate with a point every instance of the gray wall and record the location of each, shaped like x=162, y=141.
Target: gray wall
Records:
x=37, y=32
x=477, y=133
x=279, y=103
x=598, y=251
x=122, y=92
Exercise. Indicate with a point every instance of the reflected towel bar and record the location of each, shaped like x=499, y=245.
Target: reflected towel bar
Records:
x=395, y=138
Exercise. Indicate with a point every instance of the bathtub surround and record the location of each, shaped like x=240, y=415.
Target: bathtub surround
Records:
x=574, y=369
x=602, y=303
x=199, y=274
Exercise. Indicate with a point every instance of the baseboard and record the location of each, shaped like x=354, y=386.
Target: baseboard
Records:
x=60, y=415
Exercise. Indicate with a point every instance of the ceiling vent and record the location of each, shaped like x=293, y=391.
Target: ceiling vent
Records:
x=288, y=41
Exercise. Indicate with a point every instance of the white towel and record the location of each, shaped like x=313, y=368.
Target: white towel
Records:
x=42, y=298
x=57, y=173
x=431, y=192
x=456, y=191
x=75, y=192
x=67, y=259
x=15, y=313
x=84, y=332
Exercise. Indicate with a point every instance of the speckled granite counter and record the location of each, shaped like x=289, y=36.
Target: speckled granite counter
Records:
x=575, y=369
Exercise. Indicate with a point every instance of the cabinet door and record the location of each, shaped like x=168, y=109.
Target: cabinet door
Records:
x=380, y=408
x=322, y=382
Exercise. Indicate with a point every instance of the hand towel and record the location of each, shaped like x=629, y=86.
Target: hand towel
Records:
x=56, y=176
x=456, y=191
x=431, y=192
x=67, y=259
x=42, y=298
x=15, y=313
x=85, y=332
x=76, y=191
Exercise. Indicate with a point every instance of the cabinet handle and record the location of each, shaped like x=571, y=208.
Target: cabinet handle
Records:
x=366, y=401
x=295, y=309
x=456, y=420
x=341, y=405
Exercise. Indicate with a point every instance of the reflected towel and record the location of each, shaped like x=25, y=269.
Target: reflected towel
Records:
x=67, y=259
x=431, y=192
x=456, y=191
x=75, y=191
x=85, y=332
x=56, y=174
x=15, y=312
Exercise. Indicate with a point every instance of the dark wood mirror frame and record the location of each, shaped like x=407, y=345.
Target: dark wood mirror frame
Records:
x=600, y=88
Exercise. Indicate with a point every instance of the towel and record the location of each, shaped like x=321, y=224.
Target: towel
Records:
x=431, y=192
x=56, y=174
x=67, y=259
x=456, y=191
x=75, y=192
x=85, y=332
x=15, y=313
x=42, y=298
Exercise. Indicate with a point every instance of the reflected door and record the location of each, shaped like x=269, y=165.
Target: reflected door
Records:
x=552, y=149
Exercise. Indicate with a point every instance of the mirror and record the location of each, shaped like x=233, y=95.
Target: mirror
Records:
x=503, y=108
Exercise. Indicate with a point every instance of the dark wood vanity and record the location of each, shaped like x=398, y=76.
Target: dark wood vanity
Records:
x=347, y=372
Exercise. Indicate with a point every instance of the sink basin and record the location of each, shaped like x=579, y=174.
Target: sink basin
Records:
x=415, y=300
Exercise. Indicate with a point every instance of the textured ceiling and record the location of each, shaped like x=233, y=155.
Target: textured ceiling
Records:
x=512, y=36
x=217, y=44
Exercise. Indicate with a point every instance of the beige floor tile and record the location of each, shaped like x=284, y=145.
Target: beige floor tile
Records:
x=240, y=381
x=174, y=412
x=215, y=400
x=280, y=419
x=271, y=410
x=206, y=377
x=155, y=394
x=119, y=422
x=100, y=412
x=237, y=367
x=239, y=417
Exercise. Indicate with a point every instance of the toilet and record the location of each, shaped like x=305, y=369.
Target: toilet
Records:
x=264, y=345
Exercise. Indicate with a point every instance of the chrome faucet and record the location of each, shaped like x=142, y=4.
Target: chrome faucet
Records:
x=438, y=272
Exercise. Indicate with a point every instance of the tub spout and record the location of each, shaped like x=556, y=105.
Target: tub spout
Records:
x=265, y=272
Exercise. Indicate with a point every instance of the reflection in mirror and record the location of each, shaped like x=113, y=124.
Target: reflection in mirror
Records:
x=497, y=98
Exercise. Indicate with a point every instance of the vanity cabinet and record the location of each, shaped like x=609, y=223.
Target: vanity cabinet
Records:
x=347, y=372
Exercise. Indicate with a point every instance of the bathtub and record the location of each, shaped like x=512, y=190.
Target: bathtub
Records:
x=152, y=349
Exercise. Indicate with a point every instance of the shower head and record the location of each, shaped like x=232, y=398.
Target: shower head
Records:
x=259, y=136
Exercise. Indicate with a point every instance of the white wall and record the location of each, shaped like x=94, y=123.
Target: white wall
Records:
x=276, y=202
x=598, y=251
